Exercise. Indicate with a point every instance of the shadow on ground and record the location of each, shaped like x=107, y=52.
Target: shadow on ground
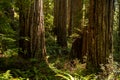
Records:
x=27, y=68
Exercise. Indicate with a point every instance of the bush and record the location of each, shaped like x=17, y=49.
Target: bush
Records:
x=8, y=76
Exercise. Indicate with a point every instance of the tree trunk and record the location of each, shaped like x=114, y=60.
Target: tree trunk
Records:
x=70, y=29
x=75, y=12
x=60, y=20
x=100, y=34
x=22, y=35
x=32, y=30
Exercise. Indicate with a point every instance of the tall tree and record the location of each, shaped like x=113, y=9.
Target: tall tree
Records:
x=69, y=15
x=119, y=28
x=75, y=14
x=60, y=20
x=100, y=33
x=32, y=34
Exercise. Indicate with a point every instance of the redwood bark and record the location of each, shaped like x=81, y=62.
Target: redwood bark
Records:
x=100, y=33
x=32, y=33
x=60, y=21
x=75, y=15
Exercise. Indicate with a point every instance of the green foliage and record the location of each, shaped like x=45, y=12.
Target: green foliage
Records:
x=8, y=76
x=5, y=20
x=8, y=26
x=116, y=32
x=7, y=44
x=48, y=13
x=68, y=76
x=11, y=52
x=27, y=69
x=21, y=69
x=67, y=71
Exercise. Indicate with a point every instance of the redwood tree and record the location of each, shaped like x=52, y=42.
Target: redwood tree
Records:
x=32, y=34
x=60, y=20
x=100, y=34
x=75, y=15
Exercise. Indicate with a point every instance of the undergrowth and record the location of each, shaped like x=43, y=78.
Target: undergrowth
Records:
x=15, y=68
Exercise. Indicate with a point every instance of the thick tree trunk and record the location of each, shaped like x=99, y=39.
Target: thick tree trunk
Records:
x=75, y=12
x=37, y=30
x=60, y=20
x=32, y=31
x=100, y=34
x=22, y=28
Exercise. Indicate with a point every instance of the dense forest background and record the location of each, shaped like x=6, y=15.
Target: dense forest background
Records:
x=59, y=39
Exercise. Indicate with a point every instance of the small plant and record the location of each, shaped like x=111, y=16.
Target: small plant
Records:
x=8, y=76
x=71, y=76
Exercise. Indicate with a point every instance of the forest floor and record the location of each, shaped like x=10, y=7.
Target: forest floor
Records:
x=58, y=68
x=31, y=68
